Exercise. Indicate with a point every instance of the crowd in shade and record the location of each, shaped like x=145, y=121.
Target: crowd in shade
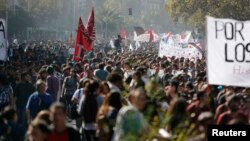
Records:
x=114, y=96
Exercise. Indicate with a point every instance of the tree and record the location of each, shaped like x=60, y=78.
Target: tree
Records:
x=193, y=12
x=43, y=10
x=109, y=18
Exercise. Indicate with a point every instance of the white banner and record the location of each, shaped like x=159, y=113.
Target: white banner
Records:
x=169, y=46
x=3, y=39
x=146, y=38
x=228, y=52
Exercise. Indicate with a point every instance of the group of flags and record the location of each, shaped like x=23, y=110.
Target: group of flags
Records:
x=85, y=36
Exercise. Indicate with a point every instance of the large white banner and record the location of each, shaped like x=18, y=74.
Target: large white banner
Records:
x=3, y=39
x=228, y=52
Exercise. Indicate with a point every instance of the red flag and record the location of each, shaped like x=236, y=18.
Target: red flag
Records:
x=123, y=33
x=87, y=41
x=91, y=24
x=151, y=36
x=82, y=41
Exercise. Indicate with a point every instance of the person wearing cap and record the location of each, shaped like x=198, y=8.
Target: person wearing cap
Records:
x=52, y=83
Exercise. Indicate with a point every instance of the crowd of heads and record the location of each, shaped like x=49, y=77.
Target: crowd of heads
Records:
x=115, y=95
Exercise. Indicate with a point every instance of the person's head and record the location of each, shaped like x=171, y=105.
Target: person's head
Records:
x=38, y=131
x=104, y=88
x=44, y=115
x=50, y=70
x=78, y=67
x=73, y=73
x=66, y=70
x=118, y=64
x=101, y=66
x=42, y=74
x=92, y=87
x=116, y=79
x=138, y=98
x=109, y=69
x=189, y=86
x=119, y=37
x=202, y=97
x=25, y=77
x=172, y=87
x=10, y=114
x=127, y=66
x=90, y=72
x=58, y=115
x=234, y=103
x=41, y=87
x=136, y=75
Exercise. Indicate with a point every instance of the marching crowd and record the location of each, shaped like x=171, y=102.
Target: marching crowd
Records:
x=119, y=96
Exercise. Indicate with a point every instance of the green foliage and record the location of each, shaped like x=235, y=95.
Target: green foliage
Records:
x=108, y=18
x=44, y=11
x=193, y=12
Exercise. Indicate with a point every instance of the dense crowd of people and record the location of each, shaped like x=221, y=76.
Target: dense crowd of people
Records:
x=116, y=96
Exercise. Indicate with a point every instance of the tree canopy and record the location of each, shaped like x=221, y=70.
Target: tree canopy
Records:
x=193, y=12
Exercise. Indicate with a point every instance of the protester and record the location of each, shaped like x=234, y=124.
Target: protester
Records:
x=59, y=131
x=234, y=107
x=22, y=92
x=89, y=99
x=38, y=101
x=177, y=114
x=117, y=43
x=38, y=131
x=76, y=101
x=106, y=119
x=173, y=94
x=100, y=73
x=17, y=131
x=137, y=81
x=130, y=124
x=6, y=93
x=69, y=86
x=52, y=83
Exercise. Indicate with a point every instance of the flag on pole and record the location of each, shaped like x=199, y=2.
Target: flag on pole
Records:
x=151, y=36
x=123, y=33
x=82, y=40
x=91, y=24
